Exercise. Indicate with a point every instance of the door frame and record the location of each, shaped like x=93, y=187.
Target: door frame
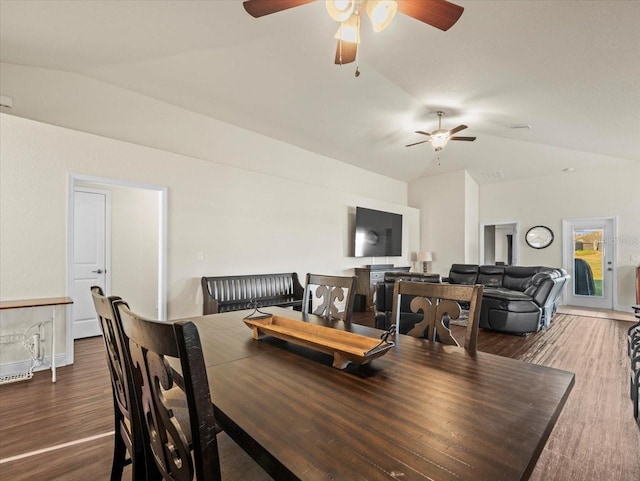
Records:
x=73, y=179
x=568, y=244
x=516, y=243
x=107, y=239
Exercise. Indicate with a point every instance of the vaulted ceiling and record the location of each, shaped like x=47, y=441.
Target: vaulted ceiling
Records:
x=569, y=69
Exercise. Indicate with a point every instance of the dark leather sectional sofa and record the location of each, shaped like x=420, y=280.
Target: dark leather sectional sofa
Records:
x=516, y=299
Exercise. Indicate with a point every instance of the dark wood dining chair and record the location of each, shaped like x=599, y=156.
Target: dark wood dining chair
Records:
x=128, y=445
x=183, y=442
x=440, y=304
x=326, y=295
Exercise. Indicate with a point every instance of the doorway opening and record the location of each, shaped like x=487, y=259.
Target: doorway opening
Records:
x=498, y=243
x=134, y=265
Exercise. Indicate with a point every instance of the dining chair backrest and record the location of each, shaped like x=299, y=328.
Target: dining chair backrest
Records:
x=327, y=295
x=184, y=447
x=439, y=304
x=128, y=438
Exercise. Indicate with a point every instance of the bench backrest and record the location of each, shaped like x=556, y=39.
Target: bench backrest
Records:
x=228, y=289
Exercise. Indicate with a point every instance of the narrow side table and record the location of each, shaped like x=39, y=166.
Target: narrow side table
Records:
x=15, y=338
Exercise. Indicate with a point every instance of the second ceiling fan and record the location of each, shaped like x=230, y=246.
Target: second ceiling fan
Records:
x=440, y=137
x=437, y=13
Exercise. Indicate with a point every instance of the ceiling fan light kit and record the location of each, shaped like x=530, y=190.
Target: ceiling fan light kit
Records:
x=340, y=10
x=437, y=13
x=349, y=30
x=381, y=12
x=441, y=137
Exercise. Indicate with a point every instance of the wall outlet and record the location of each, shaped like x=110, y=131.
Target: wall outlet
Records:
x=200, y=256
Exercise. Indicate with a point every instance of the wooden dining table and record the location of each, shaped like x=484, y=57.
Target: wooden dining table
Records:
x=423, y=411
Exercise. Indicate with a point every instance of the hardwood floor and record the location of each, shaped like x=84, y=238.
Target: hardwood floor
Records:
x=595, y=439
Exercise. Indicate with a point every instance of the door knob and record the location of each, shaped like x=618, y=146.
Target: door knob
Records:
x=99, y=271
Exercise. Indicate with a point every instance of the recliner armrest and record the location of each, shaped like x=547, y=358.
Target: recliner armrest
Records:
x=542, y=286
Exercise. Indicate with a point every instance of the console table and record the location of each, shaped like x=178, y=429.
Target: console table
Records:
x=369, y=276
x=32, y=342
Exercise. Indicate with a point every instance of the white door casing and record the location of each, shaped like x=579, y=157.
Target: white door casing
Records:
x=603, y=271
x=162, y=212
x=91, y=256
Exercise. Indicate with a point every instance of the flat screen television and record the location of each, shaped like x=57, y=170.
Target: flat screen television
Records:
x=377, y=233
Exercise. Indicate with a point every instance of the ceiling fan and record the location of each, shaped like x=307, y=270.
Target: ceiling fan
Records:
x=437, y=13
x=440, y=137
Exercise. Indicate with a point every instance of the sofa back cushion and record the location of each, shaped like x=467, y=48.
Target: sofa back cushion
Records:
x=518, y=278
x=411, y=276
x=405, y=301
x=463, y=274
x=491, y=276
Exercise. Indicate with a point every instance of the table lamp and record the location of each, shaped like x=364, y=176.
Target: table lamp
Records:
x=425, y=258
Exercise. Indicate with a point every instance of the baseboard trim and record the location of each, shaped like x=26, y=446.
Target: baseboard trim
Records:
x=17, y=367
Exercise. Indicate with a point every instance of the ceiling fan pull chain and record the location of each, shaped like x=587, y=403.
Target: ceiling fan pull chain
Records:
x=340, y=43
x=357, y=72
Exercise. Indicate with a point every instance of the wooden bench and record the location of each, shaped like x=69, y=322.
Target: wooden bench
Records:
x=233, y=293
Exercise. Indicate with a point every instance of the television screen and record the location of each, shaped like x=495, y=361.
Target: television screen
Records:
x=378, y=233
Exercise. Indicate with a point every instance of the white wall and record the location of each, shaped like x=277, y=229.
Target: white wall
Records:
x=471, y=216
x=448, y=205
x=82, y=103
x=243, y=221
x=548, y=200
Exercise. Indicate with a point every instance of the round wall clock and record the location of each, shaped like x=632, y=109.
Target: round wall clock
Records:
x=539, y=237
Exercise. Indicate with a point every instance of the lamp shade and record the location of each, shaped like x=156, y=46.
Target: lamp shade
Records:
x=440, y=140
x=381, y=12
x=340, y=10
x=425, y=256
x=349, y=30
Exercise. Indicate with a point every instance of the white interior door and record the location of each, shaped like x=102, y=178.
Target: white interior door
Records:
x=589, y=258
x=91, y=219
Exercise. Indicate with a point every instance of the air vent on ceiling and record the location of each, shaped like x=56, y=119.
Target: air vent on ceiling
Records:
x=6, y=101
x=520, y=126
x=493, y=176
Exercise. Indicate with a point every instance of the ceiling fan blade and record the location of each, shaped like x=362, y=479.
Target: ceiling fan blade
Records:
x=345, y=52
x=424, y=141
x=437, y=13
x=423, y=133
x=470, y=139
x=457, y=129
x=259, y=8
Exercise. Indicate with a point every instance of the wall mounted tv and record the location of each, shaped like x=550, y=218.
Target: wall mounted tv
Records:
x=377, y=233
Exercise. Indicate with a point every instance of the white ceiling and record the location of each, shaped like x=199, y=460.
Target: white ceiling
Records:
x=569, y=69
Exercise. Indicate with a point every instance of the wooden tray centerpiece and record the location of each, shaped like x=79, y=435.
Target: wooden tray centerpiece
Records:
x=345, y=346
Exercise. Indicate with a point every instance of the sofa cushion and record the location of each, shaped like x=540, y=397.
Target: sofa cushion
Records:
x=463, y=274
x=505, y=294
x=511, y=301
x=491, y=276
x=405, y=301
x=518, y=278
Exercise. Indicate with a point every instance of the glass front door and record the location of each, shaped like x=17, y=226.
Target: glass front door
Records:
x=588, y=260
x=589, y=253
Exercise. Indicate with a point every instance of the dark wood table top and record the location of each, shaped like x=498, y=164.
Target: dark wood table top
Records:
x=423, y=411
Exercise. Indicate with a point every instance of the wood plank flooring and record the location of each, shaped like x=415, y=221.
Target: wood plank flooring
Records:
x=595, y=439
